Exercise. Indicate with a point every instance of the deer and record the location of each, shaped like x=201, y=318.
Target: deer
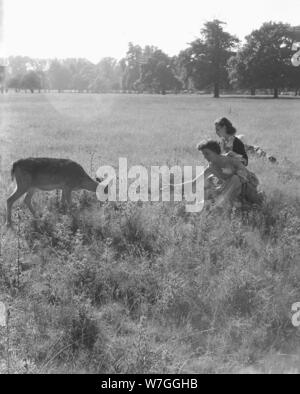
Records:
x=47, y=174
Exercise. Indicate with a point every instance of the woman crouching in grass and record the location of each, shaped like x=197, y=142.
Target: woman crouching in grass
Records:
x=236, y=183
x=229, y=142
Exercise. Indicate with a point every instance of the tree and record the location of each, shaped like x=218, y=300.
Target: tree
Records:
x=18, y=68
x=82, y=73
x=19, y=65
x=31, y=81
x=15, y=82
x=240, y=74
x=41, y=66
x=132, y=67
x=108, y=76
x=265, y=59
x=2, y=78
x=294, y=31
x=157, y=73
x=206, y=58
x=294, y=80
x=44, y=81
x=59, y=76
x=184, y=67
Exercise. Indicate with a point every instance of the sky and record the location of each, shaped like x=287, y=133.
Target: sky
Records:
x=94, y=29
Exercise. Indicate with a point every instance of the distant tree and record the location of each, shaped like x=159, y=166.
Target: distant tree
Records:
x=19, y=65
x=157, y=73
x=265, y=59
x=294, y=80
x=108, y=75
x=44, y=80
x=184, y=66
x=41, y=67
x=132, y=67
x=241, y=74
x=148, y=51
x=2, y=78
x=294, y=31
x=206, y=59
x=82, y=72
x=15, y=82
x=31, y=81
x=59, y=76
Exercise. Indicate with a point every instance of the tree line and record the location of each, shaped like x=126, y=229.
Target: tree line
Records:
x=216, y=60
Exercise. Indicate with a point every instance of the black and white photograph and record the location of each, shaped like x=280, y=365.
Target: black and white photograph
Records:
x=149, y=190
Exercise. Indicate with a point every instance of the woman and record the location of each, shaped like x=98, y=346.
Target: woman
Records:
x=237, y=181
x=230, y=144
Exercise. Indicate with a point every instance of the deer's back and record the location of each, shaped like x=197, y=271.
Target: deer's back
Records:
x=44, y=171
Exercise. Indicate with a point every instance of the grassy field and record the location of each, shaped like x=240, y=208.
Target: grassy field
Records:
x=139, y=288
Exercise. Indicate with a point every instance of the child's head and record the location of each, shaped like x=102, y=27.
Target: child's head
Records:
x=209, y=149
x=224, y=128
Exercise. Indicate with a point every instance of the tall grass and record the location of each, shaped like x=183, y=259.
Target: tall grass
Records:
x=133, y=288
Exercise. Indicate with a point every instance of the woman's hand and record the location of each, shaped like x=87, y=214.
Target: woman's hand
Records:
x=234, y=155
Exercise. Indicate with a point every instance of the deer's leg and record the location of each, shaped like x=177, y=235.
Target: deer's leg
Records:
x=18, y=192
x=27, y=201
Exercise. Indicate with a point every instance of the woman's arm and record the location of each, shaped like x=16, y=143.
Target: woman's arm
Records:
x=225, y=161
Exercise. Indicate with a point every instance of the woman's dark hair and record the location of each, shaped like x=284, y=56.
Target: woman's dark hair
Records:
x=211, y=145
x=230, y=130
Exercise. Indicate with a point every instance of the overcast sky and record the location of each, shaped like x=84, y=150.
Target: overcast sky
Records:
x=98, y=28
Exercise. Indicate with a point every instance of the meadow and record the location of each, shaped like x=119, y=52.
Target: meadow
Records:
x=133, y=288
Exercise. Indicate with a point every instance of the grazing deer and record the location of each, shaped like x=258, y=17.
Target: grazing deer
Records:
x=47, y=174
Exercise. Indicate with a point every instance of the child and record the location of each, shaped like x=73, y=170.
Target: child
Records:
x=230, y=144
x=236, y=180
